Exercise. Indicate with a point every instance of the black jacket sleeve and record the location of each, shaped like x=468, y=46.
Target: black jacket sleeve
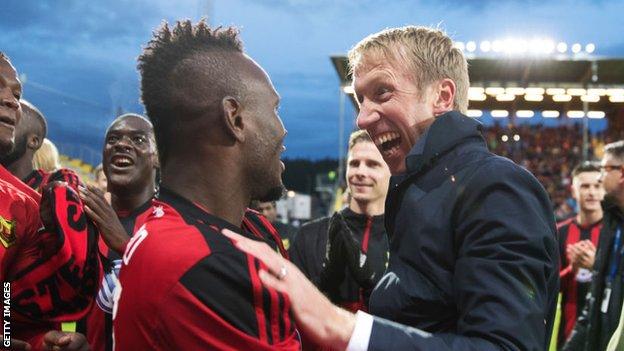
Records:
x=308, y=248
x=506, y=271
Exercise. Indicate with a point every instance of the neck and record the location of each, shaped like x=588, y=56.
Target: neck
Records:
x=127, y=200
x=368, y=208
x=588, y=217
x=22, y=167
x=216, y=188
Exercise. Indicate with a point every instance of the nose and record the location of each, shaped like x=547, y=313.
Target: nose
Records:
x=7, y=99
x=124, y=143
x=367, y=116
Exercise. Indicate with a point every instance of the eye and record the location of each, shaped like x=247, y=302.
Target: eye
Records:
x=383, y=92
x=112, y=139
x=17, y=95
x=139, y=140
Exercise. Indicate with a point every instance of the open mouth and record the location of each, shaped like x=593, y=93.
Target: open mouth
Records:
x=7, y=121
x=388, y=142
x=122, y=161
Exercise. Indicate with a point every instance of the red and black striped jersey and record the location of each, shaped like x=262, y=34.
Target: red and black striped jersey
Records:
x=574, y=286
x=38, y=178
x=98, y=325
x=185, y=286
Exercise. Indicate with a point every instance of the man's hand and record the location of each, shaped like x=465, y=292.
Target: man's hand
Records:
x=586, y=254
x=105, y=218
x=581, y=254
x=316, y=317
x=61, y=341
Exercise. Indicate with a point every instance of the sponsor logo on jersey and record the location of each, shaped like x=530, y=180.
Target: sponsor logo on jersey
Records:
x=7, y=232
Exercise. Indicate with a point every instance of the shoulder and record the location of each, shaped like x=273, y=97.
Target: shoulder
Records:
x=565, y=224
x=12, y=197
x=165, y=239
x=496, y=172
x=314, y=226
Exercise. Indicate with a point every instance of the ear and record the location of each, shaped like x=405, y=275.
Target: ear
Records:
x=232, y=118
x=34, y=142
x=445, y=95
x=155, y=159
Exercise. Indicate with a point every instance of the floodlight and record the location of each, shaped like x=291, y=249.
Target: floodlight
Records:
x=550, y=114
x=505, y=97
x=616, y=98
x=590, y=98
x=576, y=92
x=576, y=114
x=485, y=46
x=499, y=113
x=562, y=98
x=525, y=113
x=474, y=113
x=514, y=91
x=495, y=90
x=589, y=48
x=471, y=46
x=596, y=114
x=576, y=48
x=533, y=97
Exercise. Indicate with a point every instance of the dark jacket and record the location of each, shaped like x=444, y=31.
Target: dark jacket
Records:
x=309, y=251
x=473, y=253
x=594, y=328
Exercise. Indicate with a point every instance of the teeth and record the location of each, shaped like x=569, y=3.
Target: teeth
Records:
x=388, y=136
x=122, y=161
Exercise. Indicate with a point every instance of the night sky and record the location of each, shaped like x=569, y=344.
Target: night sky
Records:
x=78, y=58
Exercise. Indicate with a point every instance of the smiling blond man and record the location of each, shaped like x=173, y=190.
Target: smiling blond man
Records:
x=473, y=255
x=346, y=254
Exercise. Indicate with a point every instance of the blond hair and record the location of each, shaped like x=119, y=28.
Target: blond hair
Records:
x=359, y=136
x=429, y=53
x=47, y=157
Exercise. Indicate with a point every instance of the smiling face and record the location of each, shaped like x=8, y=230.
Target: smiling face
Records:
x=394, y=112
x=587, y=189
x=10, y=109
x=129, y=155
x=367, y=173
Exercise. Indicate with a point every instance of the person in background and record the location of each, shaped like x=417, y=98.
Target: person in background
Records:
x=578, y=238
x=329, y=250
x=100, y=178
x=269, y=210
x=28, y=253
x=47, y=157
x=130, y=162
x=601, y=314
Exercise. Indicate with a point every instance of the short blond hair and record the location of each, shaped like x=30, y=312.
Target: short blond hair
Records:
x=47, y=157
x=429, y=53
x=357, y=137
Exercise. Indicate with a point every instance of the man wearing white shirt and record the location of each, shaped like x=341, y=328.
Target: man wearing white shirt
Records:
x=473, y=254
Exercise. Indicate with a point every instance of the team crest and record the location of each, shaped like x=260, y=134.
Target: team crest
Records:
x=7, y=232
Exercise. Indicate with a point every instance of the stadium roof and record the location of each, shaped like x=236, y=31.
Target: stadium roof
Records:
x=600, y=82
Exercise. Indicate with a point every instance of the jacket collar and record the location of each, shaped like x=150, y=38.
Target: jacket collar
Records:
x=446, y=132
x=611, y=207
